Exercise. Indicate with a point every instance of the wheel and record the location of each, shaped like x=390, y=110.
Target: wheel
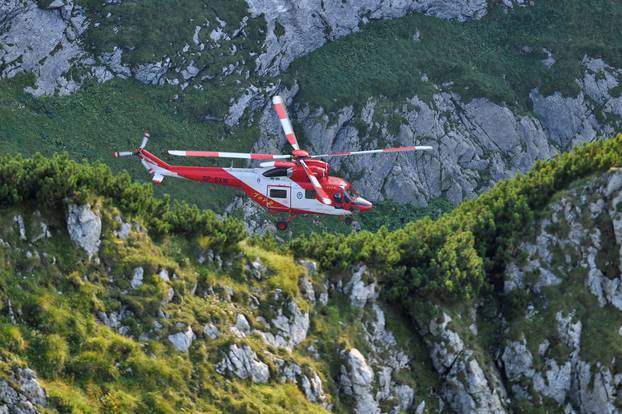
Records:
x=348, y=220
x=281, y=225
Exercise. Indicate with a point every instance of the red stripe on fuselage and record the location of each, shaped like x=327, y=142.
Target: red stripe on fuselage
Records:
x=153, y=159
x=220, y=176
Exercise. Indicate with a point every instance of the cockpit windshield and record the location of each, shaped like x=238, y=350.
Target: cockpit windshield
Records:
x=350, y=195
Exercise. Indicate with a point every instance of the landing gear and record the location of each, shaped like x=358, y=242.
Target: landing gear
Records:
x=281, y=225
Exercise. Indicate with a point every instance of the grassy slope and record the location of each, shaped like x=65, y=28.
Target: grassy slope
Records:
x=100, y=119
x=87, y=367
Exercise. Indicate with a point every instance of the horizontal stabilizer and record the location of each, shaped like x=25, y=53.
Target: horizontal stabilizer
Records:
x=157, y=178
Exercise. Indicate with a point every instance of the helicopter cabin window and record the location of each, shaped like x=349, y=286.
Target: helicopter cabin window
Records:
x=310, y=194
x=337, y=197
x=276, y=193
x=278, y=172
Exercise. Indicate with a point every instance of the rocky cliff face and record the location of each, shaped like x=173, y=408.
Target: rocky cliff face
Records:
x=293, y=30
x=556, y=328
x=575, y=250
x=44, y=42
x=476, y=143
x=307, y=25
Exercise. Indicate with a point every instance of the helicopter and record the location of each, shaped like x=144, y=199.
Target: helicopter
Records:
x=295, y=184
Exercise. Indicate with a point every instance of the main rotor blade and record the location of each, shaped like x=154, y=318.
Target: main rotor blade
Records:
x=376, y=151
x=237, y=155
x=321, y=194
x=279, y=107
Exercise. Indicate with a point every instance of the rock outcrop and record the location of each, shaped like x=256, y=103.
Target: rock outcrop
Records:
x=307, y=25
x=290, y=327
x=243, y=362
x=588, y=254
x=182, y=340
x=42, y=42
x=358, y=291
x=466, y=387
x=307, y=380
x=84, y=227
x=26, y=398
x=479, y=142
x=356, y=380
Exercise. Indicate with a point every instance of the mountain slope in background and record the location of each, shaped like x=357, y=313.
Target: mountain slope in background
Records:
x=493, y=87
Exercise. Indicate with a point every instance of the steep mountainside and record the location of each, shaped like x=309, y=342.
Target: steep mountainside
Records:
x=113, y=301
x=493, y=86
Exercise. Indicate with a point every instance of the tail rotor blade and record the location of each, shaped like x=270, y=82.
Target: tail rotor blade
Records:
x=122, y=154
x=321, y=194
x=146, y=137
x=279, y=107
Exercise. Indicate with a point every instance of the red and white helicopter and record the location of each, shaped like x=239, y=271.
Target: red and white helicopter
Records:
x=295, y=184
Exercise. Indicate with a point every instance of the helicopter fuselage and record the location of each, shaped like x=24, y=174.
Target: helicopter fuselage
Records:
x=279, y=189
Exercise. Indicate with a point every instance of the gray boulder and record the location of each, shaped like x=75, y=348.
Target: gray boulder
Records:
x=152, y=73
x=358, y=291
x=243, y=362
x=21, y=226
x=290, y=327
x=211, y=331
x=306, y=289
x=182, y=340
x=137, y=277
x=356, y=380
x=84, y=227
x=27, y=398
x=241, y=327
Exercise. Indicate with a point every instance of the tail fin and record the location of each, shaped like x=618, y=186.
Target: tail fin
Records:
x=155, y=166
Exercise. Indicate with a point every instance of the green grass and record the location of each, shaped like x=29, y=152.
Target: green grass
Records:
x=481, y=58
x=100, y=119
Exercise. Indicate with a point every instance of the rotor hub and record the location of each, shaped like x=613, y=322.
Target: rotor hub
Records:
x=300, y=153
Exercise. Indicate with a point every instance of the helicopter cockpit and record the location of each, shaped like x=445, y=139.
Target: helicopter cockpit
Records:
x=349, y=198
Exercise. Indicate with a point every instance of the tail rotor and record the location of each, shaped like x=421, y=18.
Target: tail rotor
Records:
x=143, y=144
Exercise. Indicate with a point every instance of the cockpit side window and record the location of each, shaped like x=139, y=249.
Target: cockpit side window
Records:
x=278, y=172
x=337, y=197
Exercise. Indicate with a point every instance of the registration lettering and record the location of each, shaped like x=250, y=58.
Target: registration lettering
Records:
x=216, y=180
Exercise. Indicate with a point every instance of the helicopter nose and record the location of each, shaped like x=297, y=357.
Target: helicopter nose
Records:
x=362, y=204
